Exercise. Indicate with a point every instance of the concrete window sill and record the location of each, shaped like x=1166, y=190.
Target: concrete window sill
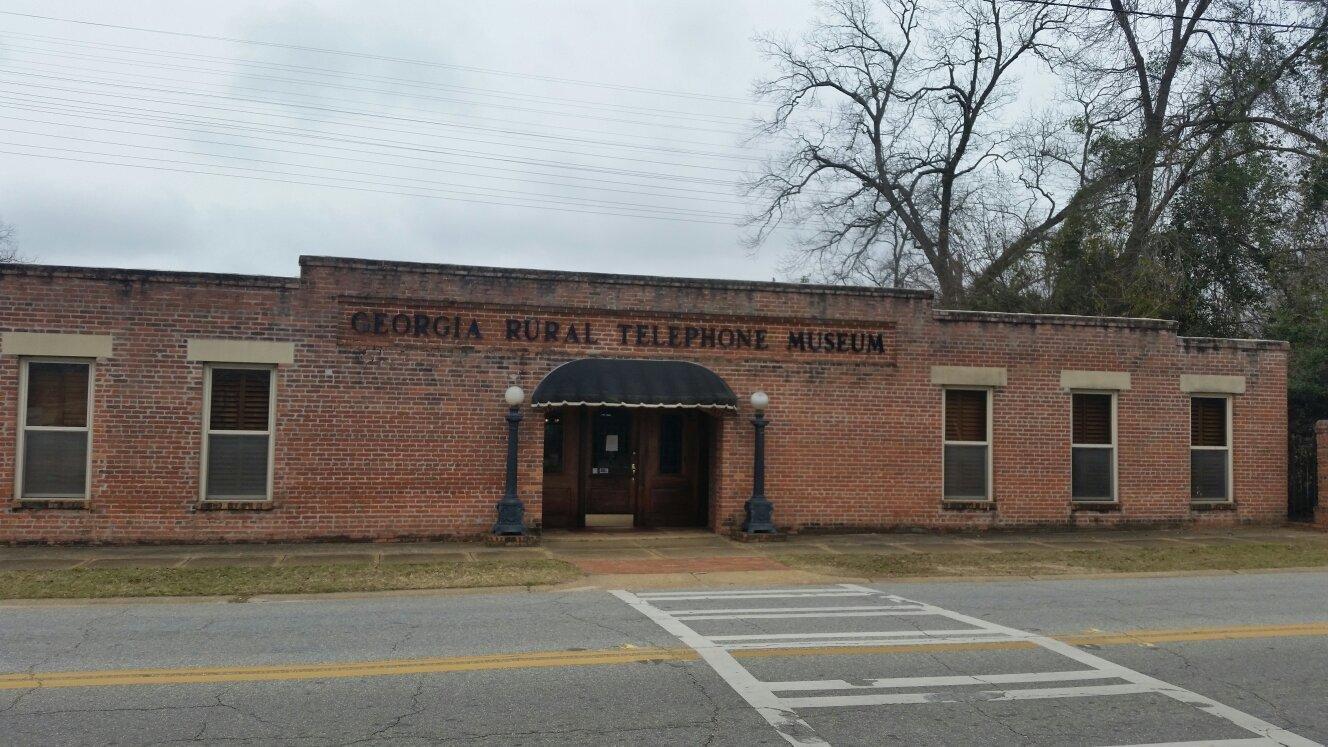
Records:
x=50, y=504
x=1215, y=506
x=968, y=505
x=235, y=506
x=1095, y=506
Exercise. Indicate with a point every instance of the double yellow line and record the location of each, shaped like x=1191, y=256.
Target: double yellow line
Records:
x=602, y=657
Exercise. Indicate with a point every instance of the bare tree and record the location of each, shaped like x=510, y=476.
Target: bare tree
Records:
x=903, y=158
x=1190, y=71
x=899, y=157
x=8, y=244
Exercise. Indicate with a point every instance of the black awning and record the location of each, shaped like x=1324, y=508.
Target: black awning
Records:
x=615, y=382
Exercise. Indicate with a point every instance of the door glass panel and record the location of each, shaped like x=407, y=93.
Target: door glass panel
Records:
x=670, y=443
x=611, y=447
x=553, y=443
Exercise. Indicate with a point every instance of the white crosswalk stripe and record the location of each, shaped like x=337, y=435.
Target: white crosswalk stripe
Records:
x=1103, y=678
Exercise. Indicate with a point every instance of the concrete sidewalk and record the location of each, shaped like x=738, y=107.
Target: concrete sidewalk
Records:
x=623, y=552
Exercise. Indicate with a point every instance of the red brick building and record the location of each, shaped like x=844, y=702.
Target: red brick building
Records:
x=364, y=400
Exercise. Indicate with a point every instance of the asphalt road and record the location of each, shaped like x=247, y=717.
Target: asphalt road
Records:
x=1021, y=662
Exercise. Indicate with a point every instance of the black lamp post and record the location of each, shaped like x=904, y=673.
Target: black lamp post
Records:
x=760, y=511
x=511, y=513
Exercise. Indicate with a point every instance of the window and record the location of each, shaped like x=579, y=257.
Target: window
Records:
x=611, y=442
x=1210, y=449
x=1093, y=447
x=670, y=443
x=56, y=432
x=553, y=443
x=967, y=445
x=237, y=448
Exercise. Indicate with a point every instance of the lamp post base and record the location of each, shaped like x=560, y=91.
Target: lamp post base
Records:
x=511, y=518
x=760, y=515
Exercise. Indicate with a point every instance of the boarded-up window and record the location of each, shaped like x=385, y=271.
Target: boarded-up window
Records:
x=1210, y=449
x=56, y=430
x=239, y=437
x=1093, y=452
x=967, y=446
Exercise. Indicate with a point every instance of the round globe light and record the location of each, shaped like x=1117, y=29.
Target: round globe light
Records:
x=760, y=400
x=514, y=395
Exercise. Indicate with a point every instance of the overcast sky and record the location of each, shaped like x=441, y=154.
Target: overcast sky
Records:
x=477, y=158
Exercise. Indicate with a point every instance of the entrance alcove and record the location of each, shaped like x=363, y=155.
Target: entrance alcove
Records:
x=630, y=442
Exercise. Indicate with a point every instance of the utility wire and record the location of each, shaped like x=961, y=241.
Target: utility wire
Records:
x=1171, y=16
x=43, y=67
x=353, y=113
x=135, y=113
x=372, y=174
x=505, y=96
x=384, y=58
x=506, y=105
x=420, y=193
x=489, y=172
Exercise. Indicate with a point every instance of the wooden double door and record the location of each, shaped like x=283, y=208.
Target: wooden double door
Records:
x=639, y=467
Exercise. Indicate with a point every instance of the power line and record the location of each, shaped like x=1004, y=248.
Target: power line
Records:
x=1172, y=16
x=617, y=186
x=47, y=67
x=298, y=69
x=356, y=189
x=410, y=82
x=383, y=58
x=616, y=204
x=135, y=113
x=390, y=117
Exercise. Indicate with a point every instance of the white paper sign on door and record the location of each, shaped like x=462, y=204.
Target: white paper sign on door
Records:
x=611, y=442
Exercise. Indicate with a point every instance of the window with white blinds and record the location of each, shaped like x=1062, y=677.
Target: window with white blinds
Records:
x=1210, y=449
x=966, y=459
x=1093, y=447
x=56, y=429
x=237, y=460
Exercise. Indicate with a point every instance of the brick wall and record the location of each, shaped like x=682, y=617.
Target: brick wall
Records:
x=402, y=436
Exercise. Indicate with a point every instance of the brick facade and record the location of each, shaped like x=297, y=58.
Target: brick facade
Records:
x=400, y=435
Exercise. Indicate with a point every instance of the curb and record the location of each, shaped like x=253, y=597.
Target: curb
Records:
x=646, y=581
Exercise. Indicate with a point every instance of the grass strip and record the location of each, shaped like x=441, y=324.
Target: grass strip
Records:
x=88, y=583
x=1051, y=561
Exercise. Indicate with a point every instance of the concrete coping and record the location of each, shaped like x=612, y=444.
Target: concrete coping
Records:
x=1196, y=344
x=1071, y=320
x=503, y=273
x=122, y=275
